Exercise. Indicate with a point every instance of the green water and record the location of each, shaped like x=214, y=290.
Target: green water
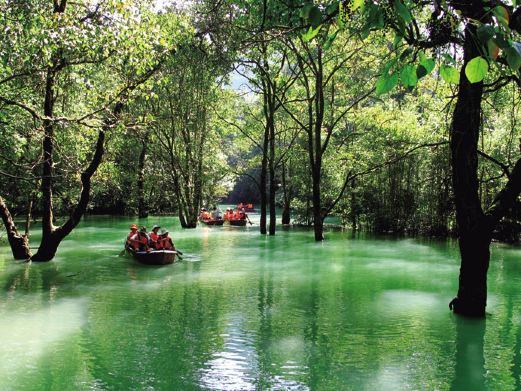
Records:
x=245, y=312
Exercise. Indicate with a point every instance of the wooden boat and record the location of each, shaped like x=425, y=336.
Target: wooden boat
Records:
x=154, y=257
x=238, y=223
x=212, y=222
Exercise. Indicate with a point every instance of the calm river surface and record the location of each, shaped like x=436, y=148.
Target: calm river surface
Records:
x=246, y=312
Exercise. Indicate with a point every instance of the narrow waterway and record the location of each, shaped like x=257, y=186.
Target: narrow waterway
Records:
x=247, y=312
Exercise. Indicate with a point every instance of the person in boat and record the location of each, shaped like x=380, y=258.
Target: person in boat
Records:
x=249, y=206
x=242, y=214
x=216, y=213
x=229, y=214
x=154, y=236
x=240, y=206
x=140, y=240
x=133, y=231
x=165, y=241
x=205, y=215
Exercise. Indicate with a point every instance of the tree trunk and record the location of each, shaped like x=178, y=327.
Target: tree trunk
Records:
x=354, y=207
x=286, y=213
x=52, y=239
x=141, y=205
x=19, y=243
x=316, y=167
x=318, y=223
x=264, y=170
x=273, y=185
x=474, y=231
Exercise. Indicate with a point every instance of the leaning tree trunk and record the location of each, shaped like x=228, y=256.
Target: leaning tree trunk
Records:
x=19, y=243
x=52, y=238
x=473, y=229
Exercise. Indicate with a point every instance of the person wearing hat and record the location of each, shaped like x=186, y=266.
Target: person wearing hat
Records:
x=216, y=214
x=140, y=240
x=133, y=231
x=154, y=236
x=165, y=242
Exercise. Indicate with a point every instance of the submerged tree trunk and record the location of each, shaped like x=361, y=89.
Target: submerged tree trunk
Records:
x=264, y=171
x=19, y=243
x=474, y=231
x=52, y=236
x=273, y=185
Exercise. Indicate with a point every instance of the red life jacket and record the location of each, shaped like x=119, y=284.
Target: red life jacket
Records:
x=165, y=244
x=141, y=243
x=154, y=237
x=132, y=233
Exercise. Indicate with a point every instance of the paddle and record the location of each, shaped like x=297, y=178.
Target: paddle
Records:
x=249, y=220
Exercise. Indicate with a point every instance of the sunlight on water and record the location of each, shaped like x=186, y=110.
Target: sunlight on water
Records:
x=28, y=334
x=248, y=312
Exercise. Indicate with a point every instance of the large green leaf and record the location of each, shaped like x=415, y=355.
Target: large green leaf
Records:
x=386, y=83
x=427, y=63
x=485, y=32
x=408, y=76
x=476, y=69
x=311, y=33
x=449, y=74
x=355, y=4
x=501, y=14
x=304, y=11
x=513, y=58
x=330, y=40
x=315, y=17
x=403, y=11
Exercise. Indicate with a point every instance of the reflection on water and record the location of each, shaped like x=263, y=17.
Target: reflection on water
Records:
x=246, y=312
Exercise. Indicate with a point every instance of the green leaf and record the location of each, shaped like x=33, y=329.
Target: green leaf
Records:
x=315, y=17
x=403, y=11
x=493, y=49
x=502, y=41
x=427, y=63
x=330, y=40
x=397, y=40
x=421, y=71
x=449, y=74
x=449, y=59
x=311, y=33
x=304, y=11
x=355, y=4
x=386, y=83
x=485, y=32
x=476, y=69
x=513, y=58
x=332, y=8
x=501, y=14
x=408, y=76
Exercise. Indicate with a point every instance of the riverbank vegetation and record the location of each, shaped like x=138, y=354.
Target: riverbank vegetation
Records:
x=397, y=117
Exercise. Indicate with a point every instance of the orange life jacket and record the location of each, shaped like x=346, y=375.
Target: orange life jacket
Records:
x=141, y=243
x=165, y=244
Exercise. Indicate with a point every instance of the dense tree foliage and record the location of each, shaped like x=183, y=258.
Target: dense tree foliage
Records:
x=394, y=117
